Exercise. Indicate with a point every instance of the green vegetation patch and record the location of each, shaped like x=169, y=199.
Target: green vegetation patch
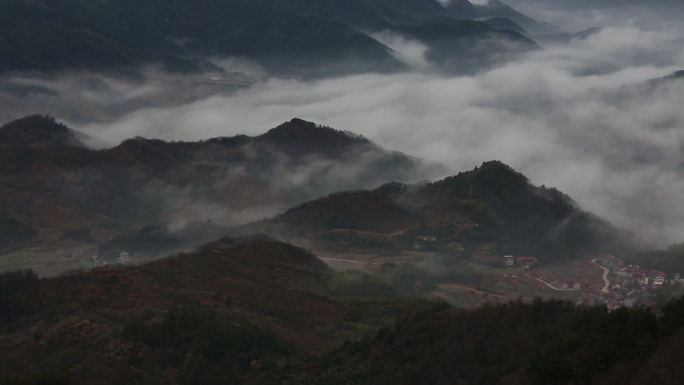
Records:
x=384, y=311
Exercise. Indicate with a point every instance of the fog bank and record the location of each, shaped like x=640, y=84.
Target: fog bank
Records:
x=582, y=117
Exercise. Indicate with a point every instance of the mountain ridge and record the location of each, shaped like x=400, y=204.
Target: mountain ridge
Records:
x=491, y=204
x=149, y=182
x=289, y=38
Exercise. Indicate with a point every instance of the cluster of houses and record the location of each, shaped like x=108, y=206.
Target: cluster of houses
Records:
x=627, y=285
x=612, y=299
x=124, y=258
x=632, y=276
x=526, y=262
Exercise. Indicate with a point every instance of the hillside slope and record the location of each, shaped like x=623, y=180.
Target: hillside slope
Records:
x=491, y=205
x=258, y=311
x=543, y=343
x=74, y=196
x=236, y=310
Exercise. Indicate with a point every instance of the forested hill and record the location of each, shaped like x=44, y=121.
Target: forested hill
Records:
x=491, y=204
x=257, y=311
x=233, y=312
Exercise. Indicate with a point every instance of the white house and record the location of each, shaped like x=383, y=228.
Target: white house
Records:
x=123, y=258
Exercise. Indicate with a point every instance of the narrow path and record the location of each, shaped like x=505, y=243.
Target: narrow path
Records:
x=341, y=260
x=606, y=282
x=553, y=287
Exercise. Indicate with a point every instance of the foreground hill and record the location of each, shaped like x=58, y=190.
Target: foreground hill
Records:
x=256, y=311
x=234, y=312
x=491, y=206
x=70, y=195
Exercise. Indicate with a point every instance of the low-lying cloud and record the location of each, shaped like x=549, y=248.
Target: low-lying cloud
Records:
x=576, y=15
x=582, y=117
x=408, y=51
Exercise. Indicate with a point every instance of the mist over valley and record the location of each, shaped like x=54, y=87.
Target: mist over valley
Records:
x=341, y=192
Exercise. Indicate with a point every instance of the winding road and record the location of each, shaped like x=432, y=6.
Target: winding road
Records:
x=606, y=282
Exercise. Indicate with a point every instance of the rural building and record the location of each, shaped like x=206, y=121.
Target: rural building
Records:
x=123, y=258
x=657, y=278
x=526, y=261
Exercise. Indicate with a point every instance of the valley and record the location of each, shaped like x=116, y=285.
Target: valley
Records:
x=458, y=232
x=499, y=284
x=128, y=272
x=357, y=192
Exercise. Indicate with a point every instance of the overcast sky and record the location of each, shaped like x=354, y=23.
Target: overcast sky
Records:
x=580, y=117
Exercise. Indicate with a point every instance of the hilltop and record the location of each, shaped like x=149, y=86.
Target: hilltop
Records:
x=491, y=206
x=38, y=130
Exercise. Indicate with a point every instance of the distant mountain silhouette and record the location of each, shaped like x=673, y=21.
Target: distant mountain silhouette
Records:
x=289, y=37
x=71, y=34
x=462, y=46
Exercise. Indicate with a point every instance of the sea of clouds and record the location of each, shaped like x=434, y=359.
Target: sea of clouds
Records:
x=585, y=117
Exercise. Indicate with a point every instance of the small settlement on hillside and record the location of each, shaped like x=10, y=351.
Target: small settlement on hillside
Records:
x=626, y=285
x=529, y=262
x=526, y=262
x=623, y=285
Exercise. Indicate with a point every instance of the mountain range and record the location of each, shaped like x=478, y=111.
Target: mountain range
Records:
x=311, y=255
x=253, y=309
x=287, y=37
x=150, y=197
x=57, y=189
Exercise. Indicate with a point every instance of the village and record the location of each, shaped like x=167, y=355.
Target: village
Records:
x=123, y=258
x=623, y=286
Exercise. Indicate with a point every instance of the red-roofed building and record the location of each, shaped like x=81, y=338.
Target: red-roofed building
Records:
x=526, y=261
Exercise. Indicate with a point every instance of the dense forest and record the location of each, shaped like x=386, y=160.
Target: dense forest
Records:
x=542, y=343
x=670, y=259
x=213, y=317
